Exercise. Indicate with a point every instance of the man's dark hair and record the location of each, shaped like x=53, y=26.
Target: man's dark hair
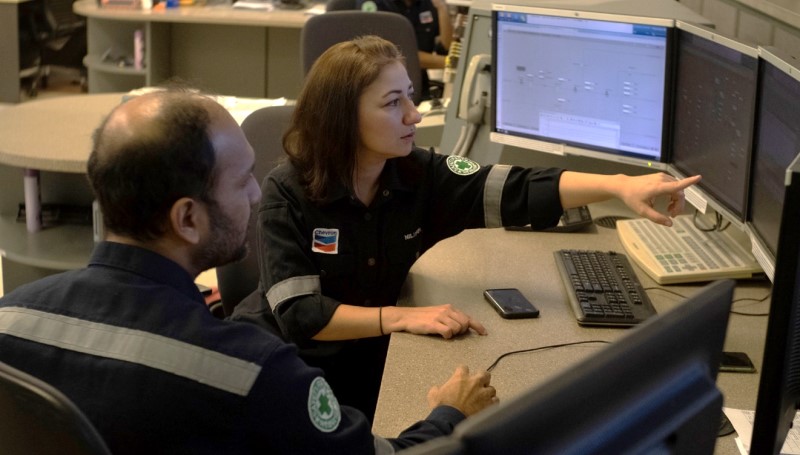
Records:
x=137, y=178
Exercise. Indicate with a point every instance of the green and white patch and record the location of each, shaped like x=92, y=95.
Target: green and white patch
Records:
x=323, y=407
x=462, y=166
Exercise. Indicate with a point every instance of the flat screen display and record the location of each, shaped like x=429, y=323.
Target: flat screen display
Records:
x=714, y=116
x=591, y=84
x=776, y=146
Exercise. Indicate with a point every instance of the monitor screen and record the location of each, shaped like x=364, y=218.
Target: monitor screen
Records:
x=713, y=119
x=652, y=391
x=779, y=386
x=590, y=84
x=776, y=145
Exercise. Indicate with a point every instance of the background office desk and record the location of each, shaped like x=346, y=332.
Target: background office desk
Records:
x=228, y=51
x=457, y=271
x=52, y=136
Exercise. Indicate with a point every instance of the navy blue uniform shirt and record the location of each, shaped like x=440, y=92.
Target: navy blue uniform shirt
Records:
x=129, y=339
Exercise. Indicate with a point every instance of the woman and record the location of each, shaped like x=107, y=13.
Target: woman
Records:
x=342, y=222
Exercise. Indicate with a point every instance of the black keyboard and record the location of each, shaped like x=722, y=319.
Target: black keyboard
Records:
x=602, y=288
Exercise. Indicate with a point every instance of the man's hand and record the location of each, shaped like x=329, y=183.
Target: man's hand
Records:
x=467, y=393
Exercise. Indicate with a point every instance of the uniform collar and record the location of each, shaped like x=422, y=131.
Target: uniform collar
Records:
x=399, y=174
x=146, y=263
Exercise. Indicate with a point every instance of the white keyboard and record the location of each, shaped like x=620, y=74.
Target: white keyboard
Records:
x=683, y=253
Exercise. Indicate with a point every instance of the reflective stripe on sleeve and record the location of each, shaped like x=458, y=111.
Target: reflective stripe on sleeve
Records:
x=293, y=287
x=205, y=366
x=493, y=195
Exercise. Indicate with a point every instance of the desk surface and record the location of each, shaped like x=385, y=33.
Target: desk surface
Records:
x=53, y=134
x=457, y=271
x=213, y=14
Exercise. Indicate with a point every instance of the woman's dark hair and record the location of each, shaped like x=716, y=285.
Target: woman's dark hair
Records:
x=322, y=138
x=136, y=180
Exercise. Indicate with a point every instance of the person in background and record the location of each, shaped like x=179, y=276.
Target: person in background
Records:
x=342, y=222
x=432, y=25
x=129, y=338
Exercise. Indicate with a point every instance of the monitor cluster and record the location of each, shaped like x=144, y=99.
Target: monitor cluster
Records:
x=652, y=92
x=684, y=99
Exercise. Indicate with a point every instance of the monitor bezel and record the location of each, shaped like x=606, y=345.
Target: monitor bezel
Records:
x=764, y=256
x=697, y=195
x=561, y=147
x=777, y=400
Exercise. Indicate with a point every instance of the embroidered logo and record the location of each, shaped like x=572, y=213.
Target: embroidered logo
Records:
x=462, y=166
x=323, y=407
x=325, y=241
x=426, y=17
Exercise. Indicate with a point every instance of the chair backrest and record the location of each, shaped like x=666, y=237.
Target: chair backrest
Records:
x=322, y=31
x=264, y=130
x=60, y=17
x=340, y=5
x=37, y=418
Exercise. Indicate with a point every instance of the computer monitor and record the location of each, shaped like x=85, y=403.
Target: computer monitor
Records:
x=713, y=118
x=652, y=391
x=779, y=386
x=777, y=143
x=590, y=84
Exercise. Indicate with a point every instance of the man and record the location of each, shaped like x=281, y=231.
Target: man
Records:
x=432, y=25
x=129, y=338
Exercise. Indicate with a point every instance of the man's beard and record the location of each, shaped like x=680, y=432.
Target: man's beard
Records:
x=226, y=244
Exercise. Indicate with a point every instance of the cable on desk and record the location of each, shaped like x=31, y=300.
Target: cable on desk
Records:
x=742, y=299
x=541, y=348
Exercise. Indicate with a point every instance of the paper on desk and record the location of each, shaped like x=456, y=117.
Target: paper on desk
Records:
x=240, y=108
x=257, y=5
x=742, y=421
x=319, y=8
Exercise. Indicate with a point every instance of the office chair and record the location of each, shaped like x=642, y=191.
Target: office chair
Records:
x=322, y=31
x=340, y=5
x=60, y=36
x=264, y=130
x=37, y=418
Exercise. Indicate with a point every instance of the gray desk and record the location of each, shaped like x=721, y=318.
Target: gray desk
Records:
x=53, y=136
x=457, y=271
x=228, y=51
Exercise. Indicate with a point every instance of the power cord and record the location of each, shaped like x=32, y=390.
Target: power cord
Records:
x=541, y=348
x=742, y=299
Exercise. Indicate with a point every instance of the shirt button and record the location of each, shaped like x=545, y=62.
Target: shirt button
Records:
x=367, y=302
x=367, y=216
x=416, y=255
x=385, y=193
x=371, y=262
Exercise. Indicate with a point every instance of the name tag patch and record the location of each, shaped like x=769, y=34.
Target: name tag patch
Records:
x=325, y=241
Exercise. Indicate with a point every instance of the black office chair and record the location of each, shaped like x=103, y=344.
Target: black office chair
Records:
x=60, y=37
x=323, y=31
x=35, y=418
x=264, y=130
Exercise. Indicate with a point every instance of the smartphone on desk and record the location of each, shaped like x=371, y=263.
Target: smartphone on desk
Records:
x=510, y=303
x=736, y=362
